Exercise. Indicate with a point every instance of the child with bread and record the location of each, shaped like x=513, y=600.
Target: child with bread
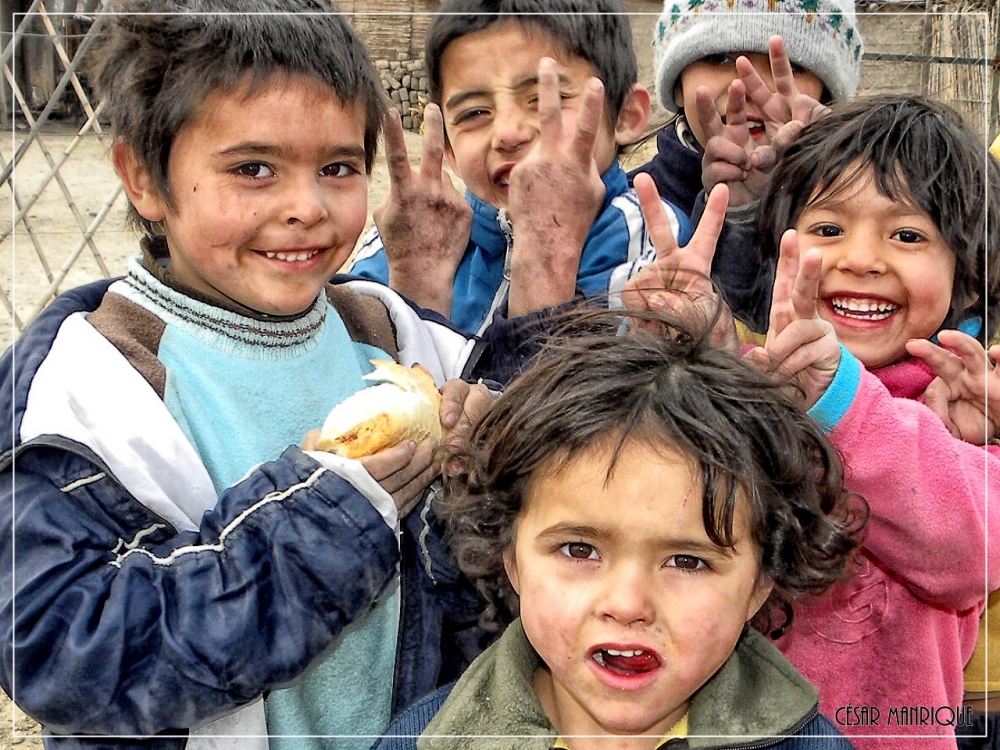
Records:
x=176, y=567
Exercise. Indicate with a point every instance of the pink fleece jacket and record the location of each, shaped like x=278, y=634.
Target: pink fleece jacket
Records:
x=886, y=648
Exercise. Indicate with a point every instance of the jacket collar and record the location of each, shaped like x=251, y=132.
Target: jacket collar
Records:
x=487, y=233
x=756, y=694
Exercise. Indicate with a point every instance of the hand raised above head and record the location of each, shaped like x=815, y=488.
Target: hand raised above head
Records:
x=423, y=220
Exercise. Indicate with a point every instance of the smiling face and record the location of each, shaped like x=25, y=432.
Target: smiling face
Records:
x=716, y=72
x=887, y=271
x=489, y=100
x=268, y=193
x=627, y=601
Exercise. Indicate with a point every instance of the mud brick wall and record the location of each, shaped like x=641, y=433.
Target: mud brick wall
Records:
x=405, y=82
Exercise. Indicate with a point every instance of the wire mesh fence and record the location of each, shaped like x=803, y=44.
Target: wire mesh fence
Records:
x=62, y=208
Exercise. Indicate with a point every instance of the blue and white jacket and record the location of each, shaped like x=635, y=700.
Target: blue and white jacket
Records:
x=137, y=600
x=616, y=248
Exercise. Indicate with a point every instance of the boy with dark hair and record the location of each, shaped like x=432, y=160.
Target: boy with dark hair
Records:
x=170, y=555
x=536, y=97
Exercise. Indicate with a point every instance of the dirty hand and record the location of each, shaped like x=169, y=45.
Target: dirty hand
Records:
x=555, y=194
x=423, y=220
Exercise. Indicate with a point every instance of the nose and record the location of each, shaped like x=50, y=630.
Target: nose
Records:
x=305, y=203
x=626, y=597
x=859, y=255
x=512, y=127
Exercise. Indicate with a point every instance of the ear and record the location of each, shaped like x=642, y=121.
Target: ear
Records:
x=762, y=589
x=634, y=116
x=510, y=565
x=138, y=182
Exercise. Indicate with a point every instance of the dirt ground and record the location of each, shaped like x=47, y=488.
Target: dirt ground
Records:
x=35, y=253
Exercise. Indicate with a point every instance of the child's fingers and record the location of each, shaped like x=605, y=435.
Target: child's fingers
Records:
x=432, y=156
x=588, y=124
x=994, y=352
x=311, y=441
x=937, y=398
x=781, y=67
x=549, y=105
x=969, y=350
x=764, y=157
x=706, y=234
x=805, y=292
x=944, y=363
x=785, y=136
x=655, y=214
x=396, y=159
x=784, y=283
x=708, y=115
x=802, y=347
x=721, y=171
x=756, y=90
x=736, y=113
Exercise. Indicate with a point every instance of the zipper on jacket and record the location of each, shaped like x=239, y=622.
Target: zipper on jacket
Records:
x=501, y=296
x=777, y=740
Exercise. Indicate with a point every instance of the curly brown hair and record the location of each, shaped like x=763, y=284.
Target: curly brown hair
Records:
x=743, y=430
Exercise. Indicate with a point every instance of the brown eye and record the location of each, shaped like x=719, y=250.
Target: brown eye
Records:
x=580, y=551
x=254, y=170
x=686, y=562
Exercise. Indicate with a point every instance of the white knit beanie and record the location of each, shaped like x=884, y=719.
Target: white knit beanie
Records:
x=821, y=36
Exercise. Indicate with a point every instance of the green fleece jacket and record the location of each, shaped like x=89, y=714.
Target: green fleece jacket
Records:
x=756, y=698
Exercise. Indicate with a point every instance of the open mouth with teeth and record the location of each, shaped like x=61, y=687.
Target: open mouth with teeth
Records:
x=863, y=309
x=290, y=256
x=626, y=662
x=501, y=178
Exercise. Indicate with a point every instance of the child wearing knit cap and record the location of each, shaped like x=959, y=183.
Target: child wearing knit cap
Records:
x=771, y=63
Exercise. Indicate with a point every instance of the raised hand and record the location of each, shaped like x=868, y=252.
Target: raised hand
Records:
x=785, y=110
x=801, y=347
x=423, y=220
x=728, y=147
x=678, y=282
x=966, y=392
x=555, y=194
x=731, y=153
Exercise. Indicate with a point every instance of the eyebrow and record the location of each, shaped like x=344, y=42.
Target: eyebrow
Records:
x=525, y=83
x=689, y=545
x=253, y=148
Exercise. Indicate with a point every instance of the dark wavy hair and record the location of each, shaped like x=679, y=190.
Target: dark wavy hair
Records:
x=745, y=432
x=155, y=62
x=916, y=150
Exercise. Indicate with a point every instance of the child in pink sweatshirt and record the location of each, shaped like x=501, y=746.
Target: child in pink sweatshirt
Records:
x=888, y=198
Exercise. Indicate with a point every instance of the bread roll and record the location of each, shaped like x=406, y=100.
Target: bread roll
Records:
x=406, y=406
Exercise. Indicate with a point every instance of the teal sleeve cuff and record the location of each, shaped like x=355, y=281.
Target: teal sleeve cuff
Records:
x=837, y=399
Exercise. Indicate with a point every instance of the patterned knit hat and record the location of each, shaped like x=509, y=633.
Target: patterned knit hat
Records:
x=821, y=36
